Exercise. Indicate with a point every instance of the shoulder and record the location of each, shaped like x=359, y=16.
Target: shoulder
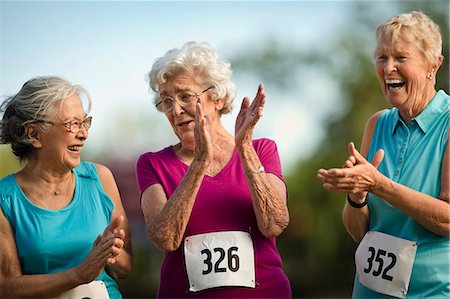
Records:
x=264, y=143
x=149, y=158
x=104, y=173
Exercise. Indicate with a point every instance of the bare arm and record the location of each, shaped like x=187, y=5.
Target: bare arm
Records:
x=356, y=221
x=167, y=219
x=268, y=194
x=432, y=213
x=14, y=284
x=267, y=190
x=122, y=251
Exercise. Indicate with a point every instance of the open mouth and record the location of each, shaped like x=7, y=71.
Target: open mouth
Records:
x=394, y=83
x=75, y=148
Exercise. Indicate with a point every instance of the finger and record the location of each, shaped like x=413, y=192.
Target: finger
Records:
x=120, y=234
x=348, y=164
x=244, y=105
x=377, y=158
x=354, y=152
x=99, y=237
x=114, y=225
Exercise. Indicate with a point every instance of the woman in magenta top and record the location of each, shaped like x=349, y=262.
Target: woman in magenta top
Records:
x=213, y=202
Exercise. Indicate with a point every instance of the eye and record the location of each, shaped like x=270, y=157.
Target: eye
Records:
x=166, y=101
x=381, y=58
x=187, y=97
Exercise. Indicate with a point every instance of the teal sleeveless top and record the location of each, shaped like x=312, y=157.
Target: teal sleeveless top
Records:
x=51, y=241
x=413, y=157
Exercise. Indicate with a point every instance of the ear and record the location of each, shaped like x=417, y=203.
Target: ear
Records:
x=34, y=135
x=219, y=104
x=435, y=66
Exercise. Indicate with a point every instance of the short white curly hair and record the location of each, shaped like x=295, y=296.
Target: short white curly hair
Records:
x=201, y=60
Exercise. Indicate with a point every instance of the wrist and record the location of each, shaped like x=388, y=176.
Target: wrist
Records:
x=358, y=203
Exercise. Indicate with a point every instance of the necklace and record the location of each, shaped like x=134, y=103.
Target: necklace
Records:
x=55, y=192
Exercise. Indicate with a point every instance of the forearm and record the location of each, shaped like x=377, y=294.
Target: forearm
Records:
x=269, y=199
x=356, y=220
x=123, y=265
x=39, y=285
x=167, y=229
x=432, y=213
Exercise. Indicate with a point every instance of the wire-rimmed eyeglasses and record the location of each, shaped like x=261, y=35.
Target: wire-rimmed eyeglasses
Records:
x=73, y=126
x=184, y=98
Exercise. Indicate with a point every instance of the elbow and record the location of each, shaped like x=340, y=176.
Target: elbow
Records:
x=165, y=242
x=273, y=230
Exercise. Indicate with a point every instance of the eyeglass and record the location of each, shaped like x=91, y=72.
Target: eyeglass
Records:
x=73, y=126
x=184, y=98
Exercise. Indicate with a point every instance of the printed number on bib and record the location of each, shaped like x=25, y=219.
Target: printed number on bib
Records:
x=232, y=258
x=219, y=259
x=384, y=263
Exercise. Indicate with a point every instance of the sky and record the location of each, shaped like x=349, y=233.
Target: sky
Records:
x=109, y=46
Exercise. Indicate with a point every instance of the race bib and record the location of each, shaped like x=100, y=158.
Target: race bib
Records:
x=93, y=290
x=384, y=263
x=219, y=259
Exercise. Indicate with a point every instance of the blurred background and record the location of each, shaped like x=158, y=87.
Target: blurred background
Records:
x=315, y=59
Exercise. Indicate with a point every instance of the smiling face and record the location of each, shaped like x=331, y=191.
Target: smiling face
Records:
x=182, y=119
x=403, y=71
x=59, y=148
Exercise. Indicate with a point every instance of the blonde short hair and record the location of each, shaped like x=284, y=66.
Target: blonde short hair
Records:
x=424, y=30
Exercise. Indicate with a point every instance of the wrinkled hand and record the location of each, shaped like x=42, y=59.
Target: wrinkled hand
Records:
x=248, y=116
x=202, y=131
x=356, y=176
x=107, y=247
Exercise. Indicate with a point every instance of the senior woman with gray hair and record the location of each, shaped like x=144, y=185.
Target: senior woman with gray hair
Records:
x=400, y=213
x=61, y=220
x=213, y=202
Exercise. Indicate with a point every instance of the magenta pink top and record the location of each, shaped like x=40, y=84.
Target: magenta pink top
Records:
x=223, y=203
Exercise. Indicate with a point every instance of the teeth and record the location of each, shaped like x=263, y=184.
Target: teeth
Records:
x=394, y=81
x=75, y=148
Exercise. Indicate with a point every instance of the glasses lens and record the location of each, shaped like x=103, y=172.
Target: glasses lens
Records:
x=87, y=122
x=166, y=104
x=186, y=97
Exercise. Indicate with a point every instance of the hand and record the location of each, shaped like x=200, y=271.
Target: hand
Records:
x=203, y=145
x=357, y=175
x=106, y=249
x=113, y=232
x=248, y=116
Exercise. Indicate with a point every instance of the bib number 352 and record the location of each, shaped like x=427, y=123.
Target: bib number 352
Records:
x=384, y=263
x=219, y=259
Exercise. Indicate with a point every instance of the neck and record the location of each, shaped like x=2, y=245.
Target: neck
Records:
x=56, y=183
x=417, y=105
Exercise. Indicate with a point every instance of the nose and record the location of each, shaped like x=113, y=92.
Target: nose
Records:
x=83, y=133
x=390, y=66
x=177, y=109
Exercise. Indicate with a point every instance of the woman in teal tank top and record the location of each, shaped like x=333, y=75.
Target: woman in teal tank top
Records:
x=62, y=223
x=398, y=204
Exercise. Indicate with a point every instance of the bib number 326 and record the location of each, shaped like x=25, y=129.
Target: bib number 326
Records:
x=384, y=263
x=219, y=259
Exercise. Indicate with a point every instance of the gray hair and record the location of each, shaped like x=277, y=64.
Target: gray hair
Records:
x=199, y=59
x=425, y=31
x=35, y=102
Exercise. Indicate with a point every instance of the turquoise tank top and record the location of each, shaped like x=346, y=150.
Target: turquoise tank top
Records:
x=413, y=157
x=50, y=241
